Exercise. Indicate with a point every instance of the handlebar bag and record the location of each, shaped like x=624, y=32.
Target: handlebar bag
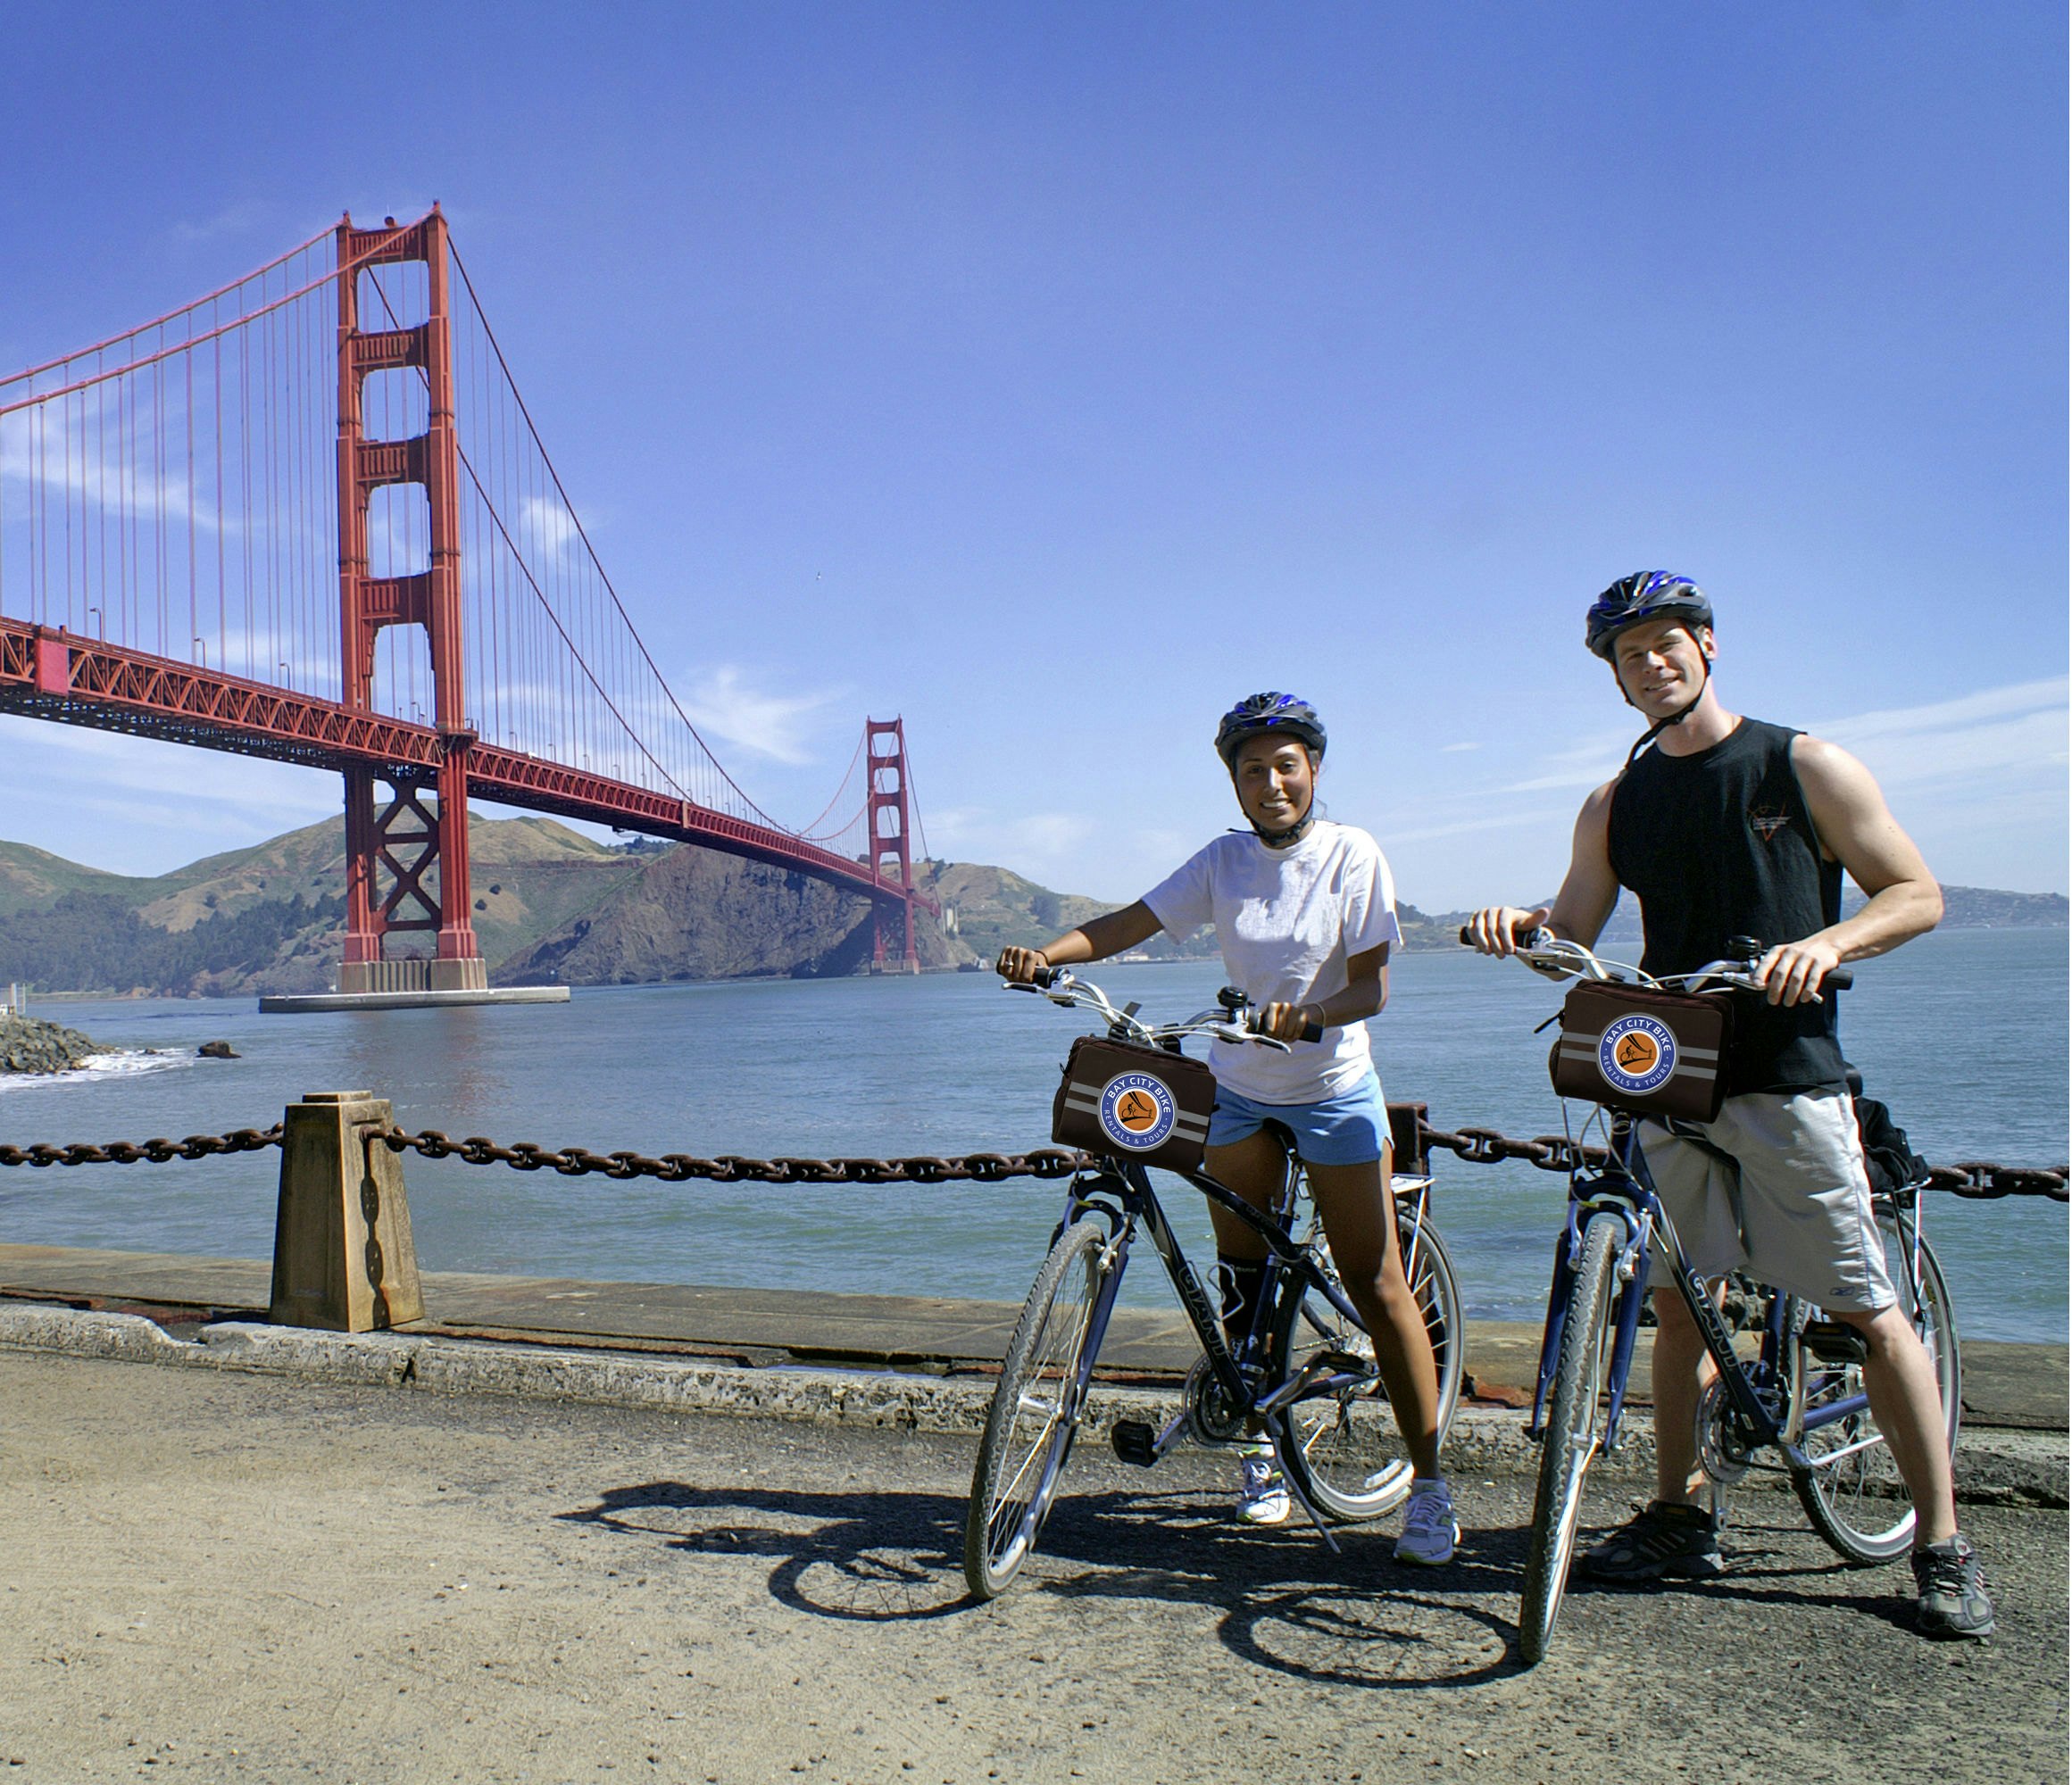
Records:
x=1645, y=1051
x=1125, y=1101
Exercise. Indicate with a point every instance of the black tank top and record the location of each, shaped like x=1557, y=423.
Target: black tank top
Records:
x=1721, y=844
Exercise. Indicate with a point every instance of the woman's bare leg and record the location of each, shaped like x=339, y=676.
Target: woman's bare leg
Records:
x=1359, y=1210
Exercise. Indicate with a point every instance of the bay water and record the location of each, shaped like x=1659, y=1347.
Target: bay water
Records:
x=1963, y=1033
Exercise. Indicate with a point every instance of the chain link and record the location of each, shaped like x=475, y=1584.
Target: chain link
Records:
x=1976, y=1180
x=1045, y=1162
x=129, y=1152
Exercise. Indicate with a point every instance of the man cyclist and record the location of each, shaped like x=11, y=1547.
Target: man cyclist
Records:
x=1305, y=912
x=1726, y=827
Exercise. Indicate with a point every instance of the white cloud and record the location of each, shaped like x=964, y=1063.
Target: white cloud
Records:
x=724, y=704
x=549, y=525
x=1456, y=749
x=2019, y=729
x=137, y=806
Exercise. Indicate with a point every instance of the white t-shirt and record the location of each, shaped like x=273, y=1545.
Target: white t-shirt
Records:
x=1288, y=921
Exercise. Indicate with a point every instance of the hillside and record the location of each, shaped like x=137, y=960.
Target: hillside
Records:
x=551, y=906
x=1964, y=908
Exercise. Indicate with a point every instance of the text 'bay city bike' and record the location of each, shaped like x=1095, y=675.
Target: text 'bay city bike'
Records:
x=1792, y=1387
x=1303, y=1377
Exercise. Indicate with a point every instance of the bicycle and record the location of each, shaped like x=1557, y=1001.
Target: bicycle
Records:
x=1801, y=1392
x=1303, y=1375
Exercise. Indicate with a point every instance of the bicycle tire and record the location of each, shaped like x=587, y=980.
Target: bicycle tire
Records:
x=1035, y=1413
x=1343, y=1449
x=1851, y=1490
x=1575, y=1414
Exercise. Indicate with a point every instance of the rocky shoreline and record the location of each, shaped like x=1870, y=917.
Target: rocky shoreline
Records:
x=29, y=1044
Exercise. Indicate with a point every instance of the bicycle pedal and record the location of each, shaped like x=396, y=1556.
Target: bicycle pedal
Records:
x=1832, y=1342
x=1135, y=1442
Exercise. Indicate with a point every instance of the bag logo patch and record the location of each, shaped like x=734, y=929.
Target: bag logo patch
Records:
x=1637, y=1055
x=1137, y=1111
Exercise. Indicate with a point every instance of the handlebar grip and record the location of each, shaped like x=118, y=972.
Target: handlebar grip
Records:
x=1534, y=938
x=1311, y=1032
x=1044, y=977
x=1840, y=980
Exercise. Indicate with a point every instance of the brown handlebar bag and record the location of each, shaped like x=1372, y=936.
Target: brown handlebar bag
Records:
x=1641, y=1049
x=1125, y=1101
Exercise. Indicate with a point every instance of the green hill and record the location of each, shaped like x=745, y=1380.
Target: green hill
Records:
x=553, y=905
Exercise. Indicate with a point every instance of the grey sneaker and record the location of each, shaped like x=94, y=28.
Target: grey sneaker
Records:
x=1951, y=1587
x=1262, y=1496
x=1429, y=1529
x=1665, y=1537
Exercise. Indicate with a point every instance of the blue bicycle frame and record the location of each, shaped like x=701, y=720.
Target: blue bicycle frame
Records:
x=1760, y=1392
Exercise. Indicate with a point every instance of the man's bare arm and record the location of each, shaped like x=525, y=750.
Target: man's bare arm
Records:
x=1856, y=827
x=1584, y=904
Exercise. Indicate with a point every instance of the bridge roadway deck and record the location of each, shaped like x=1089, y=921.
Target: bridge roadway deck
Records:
x=2005, y=1385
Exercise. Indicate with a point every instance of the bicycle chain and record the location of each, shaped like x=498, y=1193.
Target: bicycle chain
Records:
x=1975, y=1180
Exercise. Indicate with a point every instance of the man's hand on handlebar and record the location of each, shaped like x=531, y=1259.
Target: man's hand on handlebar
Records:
x=1020, y=966
x=1794, y=972
x=1503, y=929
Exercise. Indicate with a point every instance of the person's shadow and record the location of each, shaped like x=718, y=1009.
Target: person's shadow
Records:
x=1281, y=1598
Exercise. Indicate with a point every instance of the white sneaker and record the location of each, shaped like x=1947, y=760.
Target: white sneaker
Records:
x=1429, y=1529
x=1262, y=1496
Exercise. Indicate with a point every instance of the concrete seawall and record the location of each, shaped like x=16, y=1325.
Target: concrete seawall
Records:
x=913, y=1364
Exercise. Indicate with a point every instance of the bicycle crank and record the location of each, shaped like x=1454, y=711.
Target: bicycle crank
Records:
x=1725, y=1451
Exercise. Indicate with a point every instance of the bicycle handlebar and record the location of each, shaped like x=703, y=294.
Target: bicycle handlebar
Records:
x=1550, y=953
x=1233, y=1021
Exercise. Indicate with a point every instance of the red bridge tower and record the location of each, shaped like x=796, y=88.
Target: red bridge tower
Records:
x=888, y=814
x=403, y=841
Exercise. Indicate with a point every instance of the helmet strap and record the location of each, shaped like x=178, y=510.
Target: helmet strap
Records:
x=1295, y=833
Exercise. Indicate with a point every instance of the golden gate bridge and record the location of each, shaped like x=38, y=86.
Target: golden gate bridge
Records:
x=308, y=517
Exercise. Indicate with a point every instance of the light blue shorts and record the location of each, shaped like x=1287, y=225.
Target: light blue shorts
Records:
x=1347, y=1130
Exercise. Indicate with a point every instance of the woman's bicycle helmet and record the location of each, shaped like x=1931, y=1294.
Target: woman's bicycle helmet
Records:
x=1645, y=595
x=1271, y=713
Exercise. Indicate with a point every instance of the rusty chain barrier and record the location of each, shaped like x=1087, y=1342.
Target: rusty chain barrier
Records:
x=132, y=1152
x=1976, y=1180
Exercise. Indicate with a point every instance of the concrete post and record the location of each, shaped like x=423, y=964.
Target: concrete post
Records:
x=343, y=1256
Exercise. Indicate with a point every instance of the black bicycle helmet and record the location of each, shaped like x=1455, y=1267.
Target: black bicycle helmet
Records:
x=1285, y=714
x=1645, y=595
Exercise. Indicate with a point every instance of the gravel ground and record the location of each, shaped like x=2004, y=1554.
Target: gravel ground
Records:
x=247, y=1579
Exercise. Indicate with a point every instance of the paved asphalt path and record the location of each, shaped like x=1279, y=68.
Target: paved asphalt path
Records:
x=238, y=1578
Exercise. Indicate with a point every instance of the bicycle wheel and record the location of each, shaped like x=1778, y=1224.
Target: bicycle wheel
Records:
x=1034, y=1412
x=1344, y=1449
x=1575, y=1416
x=1852, y=1493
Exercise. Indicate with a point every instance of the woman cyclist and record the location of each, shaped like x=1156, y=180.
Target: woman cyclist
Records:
x=1304, y=911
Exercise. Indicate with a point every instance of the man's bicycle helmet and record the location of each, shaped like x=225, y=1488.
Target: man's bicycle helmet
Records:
x=1284, y=714
x=1645, y=595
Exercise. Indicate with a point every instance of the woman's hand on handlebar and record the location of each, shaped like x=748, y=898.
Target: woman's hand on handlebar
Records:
x=1503, y=929
x=1288, y=1022
x=1794, y=973
x=1020, y=966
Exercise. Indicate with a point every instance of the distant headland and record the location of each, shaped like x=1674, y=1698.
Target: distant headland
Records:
x=554, y=907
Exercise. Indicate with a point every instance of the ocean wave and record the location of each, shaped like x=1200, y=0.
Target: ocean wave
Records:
x=125, y=1062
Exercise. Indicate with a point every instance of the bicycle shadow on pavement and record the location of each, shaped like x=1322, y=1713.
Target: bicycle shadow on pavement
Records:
x=1280, y=1598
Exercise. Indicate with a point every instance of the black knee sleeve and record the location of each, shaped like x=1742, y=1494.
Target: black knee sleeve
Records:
x=1241, y=1282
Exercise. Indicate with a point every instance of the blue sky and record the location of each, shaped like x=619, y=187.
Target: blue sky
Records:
x=1055, y=374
